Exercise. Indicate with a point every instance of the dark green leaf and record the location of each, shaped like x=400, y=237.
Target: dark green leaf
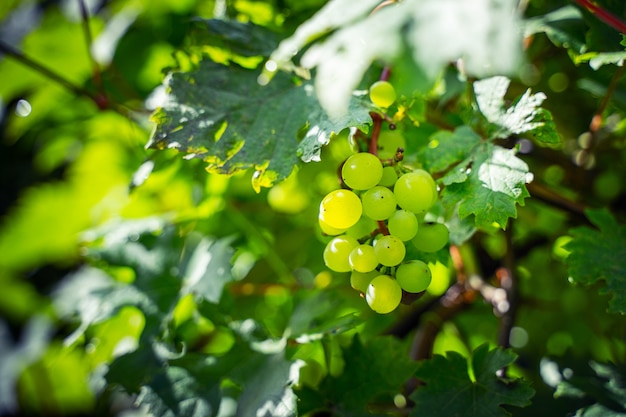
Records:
x=322, y=127
x=267, y=392
x=246, y=39
x=600, y=254
x=488, y=185
x=224, y=116
x=453, y=390
x=605, y=388
x=176, y=391
x=380, y=367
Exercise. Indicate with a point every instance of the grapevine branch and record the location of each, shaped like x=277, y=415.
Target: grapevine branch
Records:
x=604, y=15
x=596, y=120
x=548, y=196
x=101, y=99
x=377, y=119
x=59, y=79
x=47, y=72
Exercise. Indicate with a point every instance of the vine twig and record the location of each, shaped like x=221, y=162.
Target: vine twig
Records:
x=101, y=98
x=604, y=15
x=47, y=72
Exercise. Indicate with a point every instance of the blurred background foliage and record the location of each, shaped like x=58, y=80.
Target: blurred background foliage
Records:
x=74, y=171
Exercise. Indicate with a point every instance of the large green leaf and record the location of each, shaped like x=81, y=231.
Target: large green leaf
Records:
x=379, y=367
x=454, y=387
x=267, y=381
x=246, y=39
x=484, y=34
x=224, y=116
x=600, y=255
x=488, y=185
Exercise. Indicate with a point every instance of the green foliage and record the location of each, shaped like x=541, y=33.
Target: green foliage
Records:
x=380, y=367
x=478, y=390
x=158, y=280
x=599, y=254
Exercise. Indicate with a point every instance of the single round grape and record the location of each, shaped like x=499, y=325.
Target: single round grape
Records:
x=328, y=230
x=389, y=177
x=403, y=224
x=340, y=209
x=431, y=237
x=378, y=203
x=360, y=280
x=382, y=94
x=416, y=191
x=383, y=294
x=337, y=252
x=363, y=259
x=389, y=250
x=388, y=143
x=362, y=171
x=413, y=276
x=364, y=227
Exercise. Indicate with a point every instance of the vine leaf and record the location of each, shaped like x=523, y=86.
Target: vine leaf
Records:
x=222, y=115
x=600, y=254
x=523, y=116
x=344, y=35
x=245, y=39
x=488, y=185
x=267, y=381
x=381, y=366
x=456, y=388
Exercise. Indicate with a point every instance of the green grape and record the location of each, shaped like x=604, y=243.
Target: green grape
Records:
x=360, y=280
x=431, y=237
x=389, y=250
x=389, y=177
x=340, y=209
x=383, y=294
x=403, y=224
x=378, y=203
x=337, y=252
x=364, y=227
x=388, y=143
x=328, y=230
x=362, y=171
x=382, y=94
x=416, y=191
x=413, y=276
x=363, y=259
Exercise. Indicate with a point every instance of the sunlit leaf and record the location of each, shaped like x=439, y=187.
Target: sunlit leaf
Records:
x=523, y=116
x=488, y=185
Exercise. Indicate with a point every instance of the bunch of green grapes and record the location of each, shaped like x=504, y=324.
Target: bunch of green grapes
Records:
x=372, y=221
